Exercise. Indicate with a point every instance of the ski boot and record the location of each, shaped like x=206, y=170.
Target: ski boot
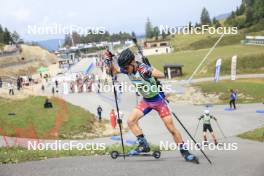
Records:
x=142, y=147
x=205, y=143
x=215, y=142
x=188, y=156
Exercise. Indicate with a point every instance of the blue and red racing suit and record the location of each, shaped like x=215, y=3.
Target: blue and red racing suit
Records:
x=147, y=86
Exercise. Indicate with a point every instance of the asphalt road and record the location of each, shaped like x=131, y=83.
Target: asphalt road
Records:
x=246, y=161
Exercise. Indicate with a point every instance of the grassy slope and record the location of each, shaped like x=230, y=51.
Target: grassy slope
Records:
x=191, y=59
x=194, y=42
x=257, y=134
x=19, y=154
x=250, y=90
x=183, y=42
x=32, y=120
x=189, y=50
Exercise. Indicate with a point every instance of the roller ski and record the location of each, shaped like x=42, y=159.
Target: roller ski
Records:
x=155, y=154
x=188, y=156
x=142, y=149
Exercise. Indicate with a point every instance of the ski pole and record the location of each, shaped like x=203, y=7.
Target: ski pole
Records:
x=196, y=129
x=146, y=61
x=220, y=129
x=136, y=98
x=119, y=120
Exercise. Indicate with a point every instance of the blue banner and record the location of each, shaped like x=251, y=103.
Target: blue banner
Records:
x=89, y=69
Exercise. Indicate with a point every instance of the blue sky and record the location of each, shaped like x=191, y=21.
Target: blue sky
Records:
x=114, y=15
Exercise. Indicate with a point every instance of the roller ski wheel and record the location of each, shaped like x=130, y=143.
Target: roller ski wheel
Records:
x=114, y=154
x=156, y=154
x=191, y=158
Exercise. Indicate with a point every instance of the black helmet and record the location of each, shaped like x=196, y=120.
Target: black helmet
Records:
x=125, y=58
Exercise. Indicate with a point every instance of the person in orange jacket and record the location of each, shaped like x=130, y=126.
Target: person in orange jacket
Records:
x=113, y=118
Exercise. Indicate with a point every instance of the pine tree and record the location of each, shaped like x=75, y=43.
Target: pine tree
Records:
x=205, y=17
x=249, y=16
x=15, y=37
x=7, y=37
x=258, y=10
x=156, y=32
x=1, y=34
x=190, y=25
x=163, y=35
x=248, y=3
x=67, y=40
x=133, y=34
x=148, y=29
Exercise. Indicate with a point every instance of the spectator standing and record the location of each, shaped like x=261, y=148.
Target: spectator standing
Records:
x=56, y=83
x=99, y=113
x=113, y=118
x=53, y=90
x=11, y=88
x=43, y=88
x=1, y=82
x=233, y=98
x=18, y=83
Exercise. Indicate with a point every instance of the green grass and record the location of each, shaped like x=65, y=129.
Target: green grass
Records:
x=20, y=154
x=256, y=27
x=193, y=41
x=31, y=120
x=257, y=33
x=253, y=63
x=211, y=40
x=249, y=90
x=191, y=59
x=256, y=135
x=200, y=41
x=189, y=50
x=2, y=46
x=183, y=42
